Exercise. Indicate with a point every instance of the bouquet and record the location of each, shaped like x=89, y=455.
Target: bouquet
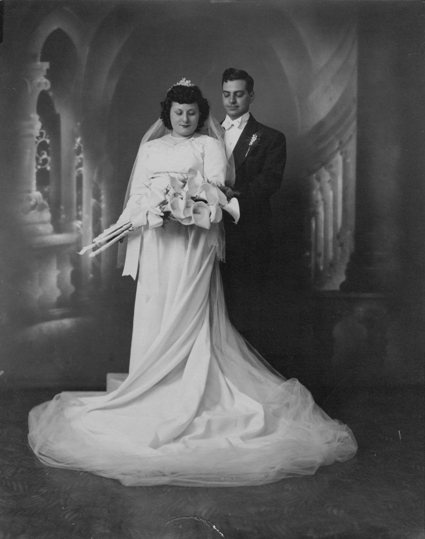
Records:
x=188, y=199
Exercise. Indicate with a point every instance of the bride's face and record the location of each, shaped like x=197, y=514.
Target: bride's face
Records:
x=184, y=118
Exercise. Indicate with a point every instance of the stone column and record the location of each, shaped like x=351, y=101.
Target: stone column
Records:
x=374, y=264
x=34, y=211
x=46, y=268
x=387, y=269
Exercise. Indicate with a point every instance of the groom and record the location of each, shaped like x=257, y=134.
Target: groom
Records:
x=259, y=154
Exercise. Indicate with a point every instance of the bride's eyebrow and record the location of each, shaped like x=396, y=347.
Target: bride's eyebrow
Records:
x=181, y=108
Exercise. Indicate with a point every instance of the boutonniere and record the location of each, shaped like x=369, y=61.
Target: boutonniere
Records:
x=254, y=138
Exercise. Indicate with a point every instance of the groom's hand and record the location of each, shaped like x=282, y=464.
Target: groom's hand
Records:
x=229, y=192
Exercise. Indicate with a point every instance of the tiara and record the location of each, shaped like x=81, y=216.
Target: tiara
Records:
x=182, y=82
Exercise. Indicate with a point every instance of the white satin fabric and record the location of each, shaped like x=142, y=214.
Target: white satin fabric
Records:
x=199, y=405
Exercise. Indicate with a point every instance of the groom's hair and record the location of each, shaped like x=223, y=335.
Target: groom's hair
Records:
x=184, y=95
x=232, y=73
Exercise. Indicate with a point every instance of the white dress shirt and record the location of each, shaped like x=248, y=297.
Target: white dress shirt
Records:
x=233, y=130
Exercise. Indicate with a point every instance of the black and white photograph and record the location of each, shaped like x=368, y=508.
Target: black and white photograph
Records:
x=212, y=269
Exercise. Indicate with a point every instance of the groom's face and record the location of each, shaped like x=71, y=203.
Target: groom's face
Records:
x=236, y=99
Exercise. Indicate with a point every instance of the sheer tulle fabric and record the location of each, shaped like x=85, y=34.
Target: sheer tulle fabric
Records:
x=199, y=406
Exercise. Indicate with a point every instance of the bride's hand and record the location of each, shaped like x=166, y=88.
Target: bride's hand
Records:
x=138, y=220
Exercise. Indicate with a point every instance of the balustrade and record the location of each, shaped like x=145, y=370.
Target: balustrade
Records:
x=48, y=252
x=331, y=229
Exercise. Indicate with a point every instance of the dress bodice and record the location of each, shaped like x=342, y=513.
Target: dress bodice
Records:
x=197, y=154
x=172, y=154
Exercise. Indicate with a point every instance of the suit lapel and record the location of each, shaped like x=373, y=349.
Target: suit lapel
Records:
x=241, y=148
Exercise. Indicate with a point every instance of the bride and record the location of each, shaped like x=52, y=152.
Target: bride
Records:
x=199, y=406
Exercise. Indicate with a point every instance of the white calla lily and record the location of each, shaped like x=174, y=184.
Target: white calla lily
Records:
x=233, y=209
x=201, y=215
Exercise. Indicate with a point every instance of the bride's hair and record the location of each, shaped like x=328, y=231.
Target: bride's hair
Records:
x=184, y=95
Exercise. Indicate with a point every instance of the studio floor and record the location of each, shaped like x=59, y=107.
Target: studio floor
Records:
x=378, y=494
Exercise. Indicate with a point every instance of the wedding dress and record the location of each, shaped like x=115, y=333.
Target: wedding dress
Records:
x=199, y=405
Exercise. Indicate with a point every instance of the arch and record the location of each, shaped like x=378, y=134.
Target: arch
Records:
x=136, y=31
x=105, y=45
x=65, y=20
x=129, y=45
x=60, y=52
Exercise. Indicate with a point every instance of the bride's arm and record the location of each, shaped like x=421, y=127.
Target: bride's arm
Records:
x=215, y=162
x=216, y=171
x=137, y=189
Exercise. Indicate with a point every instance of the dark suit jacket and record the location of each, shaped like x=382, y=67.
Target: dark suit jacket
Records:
x=260, y=156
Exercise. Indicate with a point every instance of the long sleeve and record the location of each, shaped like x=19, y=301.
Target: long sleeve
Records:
x=215, y=162
x=137, y=189
x=136, y=192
